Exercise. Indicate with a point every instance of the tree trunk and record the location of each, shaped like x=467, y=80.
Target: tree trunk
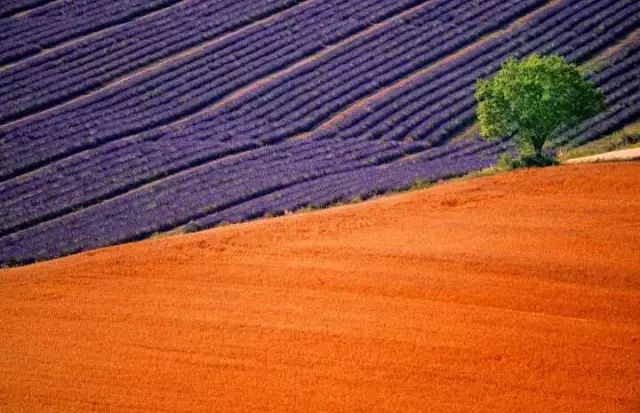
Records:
x=538, y=143
x=538, y=151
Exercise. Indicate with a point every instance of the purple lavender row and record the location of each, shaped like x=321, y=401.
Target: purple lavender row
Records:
x=624, y=108
x=623, y=98
x=252, y=178
x=419, y=118
x=47, y=27
x=53, y=78
x=12, y=207
x=622, y=115
x=25, y=150
x=274, y=111
x=162, y=97
x=134, y=96
x=368, y=181
x=271, y=110
x=237, y=180
x=11, y=7
x=78, y=61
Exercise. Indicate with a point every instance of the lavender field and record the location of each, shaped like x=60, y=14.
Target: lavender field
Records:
x=122, y=119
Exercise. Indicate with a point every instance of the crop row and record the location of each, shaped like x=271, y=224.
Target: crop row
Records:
x=65, y=61
x=53, y=78
x=621, y=84
x=308, y=101
x=47, y=27
x=162, y=96
x=11, y=7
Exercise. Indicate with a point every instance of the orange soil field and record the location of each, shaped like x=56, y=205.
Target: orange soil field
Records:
x=513, y=293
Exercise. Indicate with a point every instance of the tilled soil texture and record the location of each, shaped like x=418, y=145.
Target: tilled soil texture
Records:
x=513, y=293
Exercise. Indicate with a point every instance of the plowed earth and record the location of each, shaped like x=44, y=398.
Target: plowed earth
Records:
x=514, y=293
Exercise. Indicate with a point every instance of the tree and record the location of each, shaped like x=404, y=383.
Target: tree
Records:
x=535, y=98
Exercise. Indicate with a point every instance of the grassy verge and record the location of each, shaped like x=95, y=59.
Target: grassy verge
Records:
x=627, y=138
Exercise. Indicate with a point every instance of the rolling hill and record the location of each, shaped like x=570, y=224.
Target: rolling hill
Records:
x=120, y=120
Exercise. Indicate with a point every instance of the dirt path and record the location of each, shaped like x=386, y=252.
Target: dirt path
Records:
x=513, y=293
x=621, y=155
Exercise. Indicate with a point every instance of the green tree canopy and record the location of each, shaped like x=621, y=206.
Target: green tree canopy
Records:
x=534, y=98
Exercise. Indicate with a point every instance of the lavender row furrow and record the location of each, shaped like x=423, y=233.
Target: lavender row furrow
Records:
x=317, y=112
x=27, y=35
x=362, y=183
x=481, y=62
x=11, y=7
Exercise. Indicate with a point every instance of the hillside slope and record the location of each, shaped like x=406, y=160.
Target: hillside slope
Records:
x=511, y=293
x=121, y=119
